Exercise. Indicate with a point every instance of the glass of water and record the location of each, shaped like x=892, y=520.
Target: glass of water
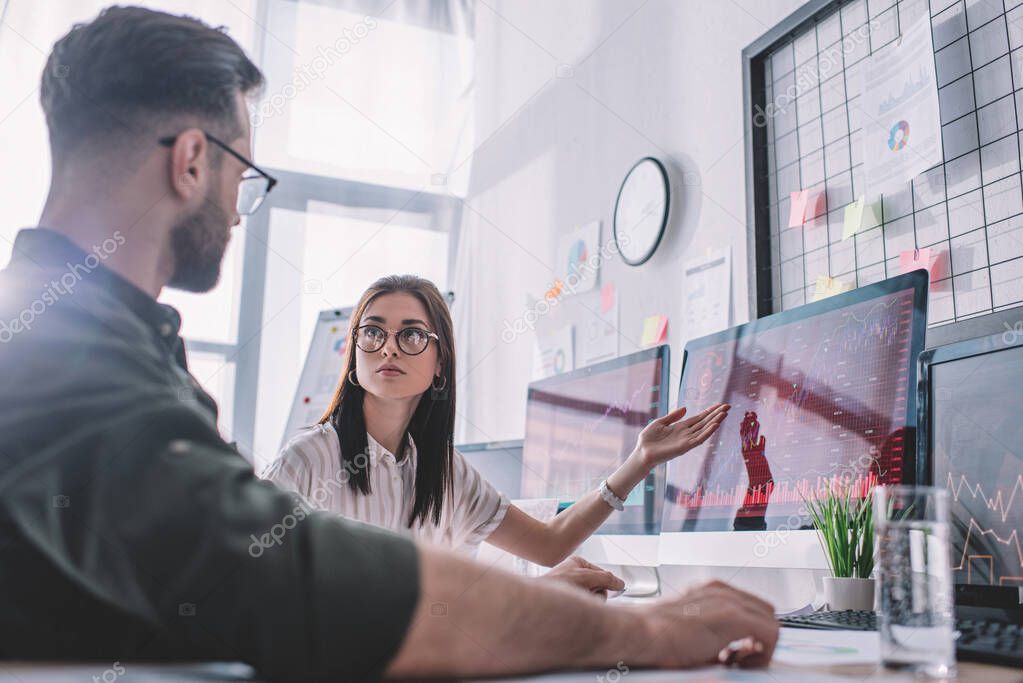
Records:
x=914, y=577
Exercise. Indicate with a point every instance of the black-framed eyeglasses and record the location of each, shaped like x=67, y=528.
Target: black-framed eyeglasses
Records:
x=253, y=187
x=411, y=340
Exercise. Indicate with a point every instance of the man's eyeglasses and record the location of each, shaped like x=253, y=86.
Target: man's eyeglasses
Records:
x=412, y=340
x=253, y=187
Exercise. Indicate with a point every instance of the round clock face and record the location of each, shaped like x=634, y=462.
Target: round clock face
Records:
x=641, y=211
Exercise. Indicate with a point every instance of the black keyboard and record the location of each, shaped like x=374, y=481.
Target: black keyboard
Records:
x=848, y=620
x=993, y=642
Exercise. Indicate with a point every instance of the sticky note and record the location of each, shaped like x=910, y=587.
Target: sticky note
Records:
x=817, y=206
x=607, y=297
x=797, y=207
x=853, y=218
x=829, y=286
x=915, y=259
x=662, y=330
x=655, y=330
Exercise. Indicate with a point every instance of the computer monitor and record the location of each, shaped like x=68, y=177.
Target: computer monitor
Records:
x=822, y=393
x=971, y=428
x=580, y=426
x=499, y=462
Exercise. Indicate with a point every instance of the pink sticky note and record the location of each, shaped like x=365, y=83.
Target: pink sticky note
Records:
x=662, y=330
x=815, y=206
x=607, y=297
x=797, y=207
x=915, y=259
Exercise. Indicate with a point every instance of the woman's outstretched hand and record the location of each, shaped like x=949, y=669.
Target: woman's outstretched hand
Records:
x=670, y=436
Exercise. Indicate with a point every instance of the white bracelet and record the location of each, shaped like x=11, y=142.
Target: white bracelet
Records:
x=610, y=498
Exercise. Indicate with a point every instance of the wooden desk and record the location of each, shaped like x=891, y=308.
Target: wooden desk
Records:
x=35, y=672
x=969, y=672
x=13, y=672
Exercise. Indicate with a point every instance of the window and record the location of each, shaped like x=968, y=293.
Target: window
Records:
x=367, y=122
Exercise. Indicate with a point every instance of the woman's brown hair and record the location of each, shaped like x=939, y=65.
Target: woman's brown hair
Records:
x=432, y=425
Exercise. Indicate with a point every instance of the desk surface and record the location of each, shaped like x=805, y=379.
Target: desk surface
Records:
x=29, y=672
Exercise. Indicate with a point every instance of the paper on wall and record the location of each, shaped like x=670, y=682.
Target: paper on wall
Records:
x=579, y=258
x=600, y=332
x=707, y=293
x=901, y=123
x=553, y=353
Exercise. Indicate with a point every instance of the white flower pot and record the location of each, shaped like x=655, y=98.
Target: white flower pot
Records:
x=841, y=593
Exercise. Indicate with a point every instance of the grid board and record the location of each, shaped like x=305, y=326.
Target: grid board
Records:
x=968, y=209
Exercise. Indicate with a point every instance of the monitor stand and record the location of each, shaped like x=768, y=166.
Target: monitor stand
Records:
x=640, y=582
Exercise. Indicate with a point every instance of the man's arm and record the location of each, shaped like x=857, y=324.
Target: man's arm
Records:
x=171, y=528
x=475, y=620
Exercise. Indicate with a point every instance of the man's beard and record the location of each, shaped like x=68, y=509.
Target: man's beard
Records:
x=198, y=242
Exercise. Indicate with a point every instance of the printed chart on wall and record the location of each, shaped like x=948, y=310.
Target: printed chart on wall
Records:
x=553, y=354
x=321, y=371
x=902, y=127
x=579, y=258
x=814, y=401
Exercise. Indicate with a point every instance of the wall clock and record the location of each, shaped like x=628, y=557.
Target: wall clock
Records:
x=641, y=211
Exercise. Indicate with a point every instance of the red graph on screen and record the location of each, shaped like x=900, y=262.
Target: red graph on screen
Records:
x=829, y=395
x=1001, y=506
x=790, y=491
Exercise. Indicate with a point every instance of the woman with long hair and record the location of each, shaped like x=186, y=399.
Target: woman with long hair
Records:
x=383, y=451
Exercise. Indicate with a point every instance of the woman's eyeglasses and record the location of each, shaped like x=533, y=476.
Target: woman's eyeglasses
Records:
x=253, y=187
x=412, y=340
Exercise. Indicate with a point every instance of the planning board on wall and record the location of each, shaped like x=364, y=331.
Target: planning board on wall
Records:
x=806, y=85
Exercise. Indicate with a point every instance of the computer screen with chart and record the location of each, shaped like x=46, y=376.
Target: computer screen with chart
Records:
x=820, y=394
x=580, y=426
x=974, y=426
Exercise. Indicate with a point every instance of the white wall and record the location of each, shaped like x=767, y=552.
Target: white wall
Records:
x=568, y=96
x=659, y=78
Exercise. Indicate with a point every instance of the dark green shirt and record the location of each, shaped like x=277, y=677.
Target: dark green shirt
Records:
x=130, y=530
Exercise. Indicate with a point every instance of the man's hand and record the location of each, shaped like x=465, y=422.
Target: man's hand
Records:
x=670, y=436
x=700, y=627
x=474, y=620
x=586, y=575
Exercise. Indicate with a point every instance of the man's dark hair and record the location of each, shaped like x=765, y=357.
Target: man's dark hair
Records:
x=120, y=76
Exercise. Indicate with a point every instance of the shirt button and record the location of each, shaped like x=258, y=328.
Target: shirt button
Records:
x=166, y=329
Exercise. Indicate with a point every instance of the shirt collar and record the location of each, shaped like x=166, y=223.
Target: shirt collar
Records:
x=376, y=449
x=48, y=249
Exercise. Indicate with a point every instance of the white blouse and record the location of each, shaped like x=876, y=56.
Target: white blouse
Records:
x=310, y=465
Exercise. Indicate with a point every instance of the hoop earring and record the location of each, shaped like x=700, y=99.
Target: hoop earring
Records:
x=442, y=387
x=352, y=381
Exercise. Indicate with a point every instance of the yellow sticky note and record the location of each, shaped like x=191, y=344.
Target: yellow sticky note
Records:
x=853, y=218
x=655, y=329
x=829, y=286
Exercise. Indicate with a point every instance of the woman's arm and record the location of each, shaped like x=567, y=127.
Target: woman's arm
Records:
x=548, y=543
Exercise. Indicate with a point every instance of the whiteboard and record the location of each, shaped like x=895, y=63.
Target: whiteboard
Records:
x=321, y=371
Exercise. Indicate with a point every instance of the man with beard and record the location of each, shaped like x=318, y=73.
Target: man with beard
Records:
x=128, y=528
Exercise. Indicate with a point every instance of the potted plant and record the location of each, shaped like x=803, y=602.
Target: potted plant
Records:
x=845, y=527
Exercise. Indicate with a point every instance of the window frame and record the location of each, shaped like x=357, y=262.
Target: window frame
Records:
x=294, y=192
